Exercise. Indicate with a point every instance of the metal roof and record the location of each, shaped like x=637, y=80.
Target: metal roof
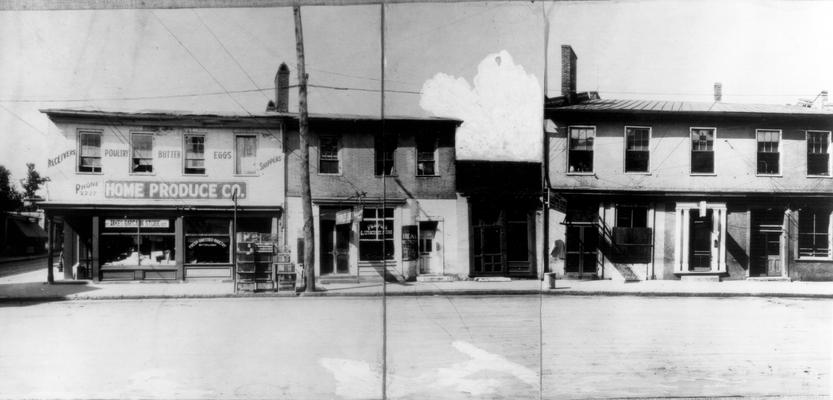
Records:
x=663, y=106
x=175, y=114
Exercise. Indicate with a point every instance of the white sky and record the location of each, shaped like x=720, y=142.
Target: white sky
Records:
x=761, y=51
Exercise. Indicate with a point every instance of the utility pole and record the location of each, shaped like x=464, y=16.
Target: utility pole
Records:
x=303, y=132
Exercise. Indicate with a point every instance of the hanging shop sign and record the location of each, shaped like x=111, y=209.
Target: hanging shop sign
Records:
x=410, y=250
x=135, y=223
x=344, y=217
x=173, y=190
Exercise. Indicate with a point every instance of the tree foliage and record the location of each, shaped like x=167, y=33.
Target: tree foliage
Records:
x=33, y=183
x=10, y=198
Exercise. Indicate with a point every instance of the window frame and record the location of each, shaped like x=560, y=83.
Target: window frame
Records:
x=185, y=154
x=780, y=153
x=691, y=151
x=377, y=219
x=380, y=138
x=807, y=153
x=593, y=157
x=625, y=150
x=435, y=160
x=338, y=158
x=152, y=149
x=100, y=134
x=236, y=156
x=798, y=234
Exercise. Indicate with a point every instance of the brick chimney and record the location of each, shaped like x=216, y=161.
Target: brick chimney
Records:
x=568, y=73
x=718, y=91
x=282, y=89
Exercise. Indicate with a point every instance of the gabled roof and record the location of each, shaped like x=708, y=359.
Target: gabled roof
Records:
x=683, y=107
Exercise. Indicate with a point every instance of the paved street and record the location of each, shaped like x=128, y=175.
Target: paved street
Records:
x=438, y=347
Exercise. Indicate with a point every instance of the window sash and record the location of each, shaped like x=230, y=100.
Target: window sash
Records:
x=813, y=233
x=702, y=140
x=142, y=152
x=245, y=154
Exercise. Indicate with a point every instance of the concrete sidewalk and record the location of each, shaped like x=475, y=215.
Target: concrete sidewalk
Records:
x=31, y=287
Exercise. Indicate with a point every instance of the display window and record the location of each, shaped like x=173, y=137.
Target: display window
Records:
x=207, y=240
x=137, y=242
x=376, y=234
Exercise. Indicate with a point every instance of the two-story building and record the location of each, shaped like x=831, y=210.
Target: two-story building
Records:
x=667, y=189
x=152, y=195
x=384, y=197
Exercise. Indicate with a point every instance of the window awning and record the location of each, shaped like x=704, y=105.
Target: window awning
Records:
x=30, y=229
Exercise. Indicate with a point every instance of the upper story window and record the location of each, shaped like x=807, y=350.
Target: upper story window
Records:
x=637, y=153
x=580, y=157
x=818, y=158
x=245, y=147
x=195, y=154
x=426, y=155
x=769, y=156
x=89, y=159
x=383, y=156
x=141, y=145
x=328, y=162
x=814, y=232
x=702, y=150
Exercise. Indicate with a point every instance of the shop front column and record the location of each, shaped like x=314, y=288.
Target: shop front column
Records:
x=50, y=243
x=179, y=246
x=721, y=266
x=684, y=238
x=95, y=260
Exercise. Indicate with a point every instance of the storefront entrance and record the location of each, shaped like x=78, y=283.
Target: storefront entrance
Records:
x=765, y=243
x=700, y=256
x=430, y=248
x=582, y=250
x=335, y=247
x=503, y=239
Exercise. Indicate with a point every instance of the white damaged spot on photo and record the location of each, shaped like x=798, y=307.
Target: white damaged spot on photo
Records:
x=361, y=380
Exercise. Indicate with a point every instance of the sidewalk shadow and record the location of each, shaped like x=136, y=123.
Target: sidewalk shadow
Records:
x=31, y=293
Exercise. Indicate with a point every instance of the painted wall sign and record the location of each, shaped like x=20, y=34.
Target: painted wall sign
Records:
x=173, y=190
x=271, y=161
x=135, y=223
x=86, y=189
x=169, y=154
x=116, y=153
x=373, y=230
x=206, y=242
x=51, y=162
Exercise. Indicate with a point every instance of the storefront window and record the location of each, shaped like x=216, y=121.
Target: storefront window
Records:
x=376, y=233
x=207, y=240
x=137, y=242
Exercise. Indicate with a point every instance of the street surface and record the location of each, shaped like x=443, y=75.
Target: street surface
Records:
x=438, y=347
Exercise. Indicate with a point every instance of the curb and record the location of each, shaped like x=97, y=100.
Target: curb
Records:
x=23, y=258
x=556, y=292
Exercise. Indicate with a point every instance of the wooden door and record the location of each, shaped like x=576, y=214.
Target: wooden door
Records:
x=700, y=237
x=765, y=251
x=582, y=250
x=327, y=254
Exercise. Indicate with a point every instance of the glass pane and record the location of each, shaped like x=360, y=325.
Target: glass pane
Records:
x=702, y=162
x=581, y=161
x=197, y=225
x=246, y=151
x=119, y=250
x=207, y=249
x=517, y=237
x=157, y=250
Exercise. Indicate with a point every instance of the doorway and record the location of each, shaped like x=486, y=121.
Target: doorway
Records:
x=582, y=250
x=335, y=248
x=765, y=243
x=430, y=248
x=700, y=255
